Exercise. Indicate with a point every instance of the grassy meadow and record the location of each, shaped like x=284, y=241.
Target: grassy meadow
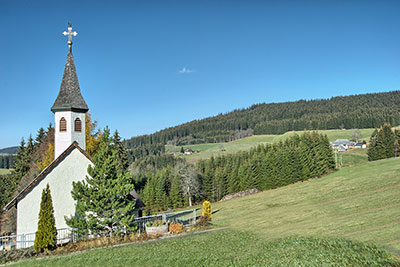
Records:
x=215, y=149
x=357, y=203
x=229, y=248
x=349, y=217
x=4, y=171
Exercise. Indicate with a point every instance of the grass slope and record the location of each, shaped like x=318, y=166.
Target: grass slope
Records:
x=4, y=171
x=229, y=248
x=319, y=222
x=214, y=149
x=359, y=203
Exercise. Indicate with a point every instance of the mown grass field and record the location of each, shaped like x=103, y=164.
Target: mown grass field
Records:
x=215, y=149
x=229, y=248
x=358, y=203
x=320, y=222
x=4, y=171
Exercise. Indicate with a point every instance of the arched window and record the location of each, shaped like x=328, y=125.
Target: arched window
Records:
x=63, y=125
x=78, y=125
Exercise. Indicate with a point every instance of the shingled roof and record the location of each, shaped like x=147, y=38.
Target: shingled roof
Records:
x=139, y=202
x=69, y=98
x=46, y=171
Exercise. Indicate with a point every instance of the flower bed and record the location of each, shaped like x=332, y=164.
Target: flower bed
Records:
x=156, y=228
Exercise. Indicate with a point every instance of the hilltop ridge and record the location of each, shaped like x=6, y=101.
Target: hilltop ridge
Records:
x=347, y=112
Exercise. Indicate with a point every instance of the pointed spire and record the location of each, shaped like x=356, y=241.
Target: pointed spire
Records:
x=69, y=98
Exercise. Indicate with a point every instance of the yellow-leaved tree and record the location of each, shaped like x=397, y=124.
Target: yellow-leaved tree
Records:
x=48, y=158
x=92, y=135
x=92, y=143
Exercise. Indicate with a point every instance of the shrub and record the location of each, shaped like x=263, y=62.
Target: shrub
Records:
x=203, y=221
x=46, y=235
x=156, y=223
x=175, y=228
x=207, y=209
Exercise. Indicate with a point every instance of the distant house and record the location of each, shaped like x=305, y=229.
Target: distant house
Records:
x=188, y=151
x=343, y=143
x=360, y=145
x=341, y=148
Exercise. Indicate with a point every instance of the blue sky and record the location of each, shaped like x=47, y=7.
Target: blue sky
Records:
x=147, y=65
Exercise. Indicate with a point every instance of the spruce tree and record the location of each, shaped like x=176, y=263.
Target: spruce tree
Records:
x=372, y=149
x=104, y=196
x=40, y=137
x=388, y=141
x=175, y=193
x=46, y=235
x=22, y=161
x=120, y=153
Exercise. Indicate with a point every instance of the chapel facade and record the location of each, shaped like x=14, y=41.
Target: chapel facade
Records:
x=70, y=164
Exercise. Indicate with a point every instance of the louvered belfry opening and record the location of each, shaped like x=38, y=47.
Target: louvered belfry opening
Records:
x=63, y=125
x=78, y=125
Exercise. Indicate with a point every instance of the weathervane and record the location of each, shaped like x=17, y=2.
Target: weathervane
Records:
x=70, y=33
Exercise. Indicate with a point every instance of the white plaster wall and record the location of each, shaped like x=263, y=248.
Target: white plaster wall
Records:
x=73, y=168
x=64, y=139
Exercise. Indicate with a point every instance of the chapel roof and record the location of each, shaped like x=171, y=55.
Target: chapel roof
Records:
x=69, y=98
x=43, y=174
x=139, y=203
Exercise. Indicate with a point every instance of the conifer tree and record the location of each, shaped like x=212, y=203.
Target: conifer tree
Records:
x=104, y=196
x=46, y=235
x=382, y=143
x=175, y=193
x=208, y=178
x=219, y=183
x=243, y=173
x=40, y=136
x=386, y=142
x=30, y=147
x=372, y=149
x=21, y=161
x=121, y=155
x=149, y=194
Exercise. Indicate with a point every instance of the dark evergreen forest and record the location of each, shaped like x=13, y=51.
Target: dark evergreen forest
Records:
x=7, y=161
x=270, y=166
x=384, y=143
x=351, y=112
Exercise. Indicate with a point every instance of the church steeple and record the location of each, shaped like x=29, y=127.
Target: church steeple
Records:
x=69, y=108
x=69, y=97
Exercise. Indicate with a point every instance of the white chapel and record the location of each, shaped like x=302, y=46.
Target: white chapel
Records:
x=71, y=160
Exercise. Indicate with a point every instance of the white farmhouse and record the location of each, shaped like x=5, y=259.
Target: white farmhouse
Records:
x=70, y=164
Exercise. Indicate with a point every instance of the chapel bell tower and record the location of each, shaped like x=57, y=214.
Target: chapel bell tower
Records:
x=69, y=108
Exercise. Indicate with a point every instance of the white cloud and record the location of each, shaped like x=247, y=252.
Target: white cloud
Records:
x=185, y=70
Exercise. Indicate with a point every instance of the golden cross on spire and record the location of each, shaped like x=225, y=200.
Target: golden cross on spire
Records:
x=70, y=33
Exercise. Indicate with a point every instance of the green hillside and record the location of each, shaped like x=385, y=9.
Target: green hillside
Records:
x=359, y=203
x=330, y=221
x=229, y=248
x=4, y=171
x=215, y=149
x=349, y=112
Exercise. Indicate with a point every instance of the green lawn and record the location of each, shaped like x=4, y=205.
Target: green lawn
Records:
x=215, y=149
x=354, y=157
x=4, y=171
x=229, y=248
x=319, y=222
